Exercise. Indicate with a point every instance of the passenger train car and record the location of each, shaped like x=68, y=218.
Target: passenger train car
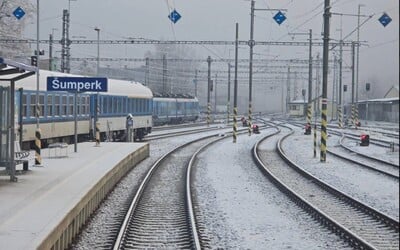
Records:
x=109, y=110
x=56, y=116
x=174, y=109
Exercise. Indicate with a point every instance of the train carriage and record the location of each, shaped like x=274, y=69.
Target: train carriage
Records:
x=175, y=109
x=56, y=116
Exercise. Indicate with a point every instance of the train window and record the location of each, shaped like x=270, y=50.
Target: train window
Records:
x=105, y=105
x=124, y=105
x=129, y=106
x=113, y=105
x=49, y=105
x=70, y=105
x=41, y=105
x=56, y=105
x=119, y=105
x=84, y=105
x=63, y=105
x=32, y=104
x=24, y=106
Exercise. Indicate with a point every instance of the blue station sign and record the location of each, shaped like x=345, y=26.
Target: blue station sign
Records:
x=77, y=84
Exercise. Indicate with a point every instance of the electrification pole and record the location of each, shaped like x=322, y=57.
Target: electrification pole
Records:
x=208, y=90
x=325, y=81
x=229, y=93
x=251, y=44
x=235, y=89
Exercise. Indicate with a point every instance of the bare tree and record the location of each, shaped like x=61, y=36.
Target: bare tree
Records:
x=12, y=28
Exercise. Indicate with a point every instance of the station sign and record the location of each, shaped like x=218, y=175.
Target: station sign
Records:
x=77, y=84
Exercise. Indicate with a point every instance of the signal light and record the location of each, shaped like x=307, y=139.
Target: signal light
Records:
x=34, y=60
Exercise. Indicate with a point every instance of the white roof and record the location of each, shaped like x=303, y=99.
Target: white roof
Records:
x=115, y=87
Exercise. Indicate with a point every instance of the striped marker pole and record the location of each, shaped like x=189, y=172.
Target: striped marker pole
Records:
x=249, y=122
x=353, y=114
x=309, y=114
x=356, y=116
x=37, y=147
x=234, y=124
x=340, y=117
x=227, y=111
x=208, y=114
x=97, y=134
x=323, y=130
x=315, y=140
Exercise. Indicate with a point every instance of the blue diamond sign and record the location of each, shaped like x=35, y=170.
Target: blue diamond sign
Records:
x=279, y=17
x=385, y=19
x=174, y=16
x=19, y=13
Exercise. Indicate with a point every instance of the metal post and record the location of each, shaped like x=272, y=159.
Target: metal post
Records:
x=12, y=131
x=352, y=83
x=309, y=80
x=98, y=51
x=325, y=80
x=208, y=90
x=215, y=96
x=164, y=75
x=51, y=52
x=340, y=105
x=195, y=83
x=251, y=44
x=288, y=90
x=76, y=122
x=146, y=79
x=235, y=89
x=229, y=93
x=38, y=145
x=333, y=86
x=358, y=49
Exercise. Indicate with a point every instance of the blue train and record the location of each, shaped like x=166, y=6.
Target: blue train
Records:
x=175, y=109
x=110, y=109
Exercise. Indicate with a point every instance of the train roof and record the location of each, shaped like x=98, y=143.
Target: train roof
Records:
x=115, y=87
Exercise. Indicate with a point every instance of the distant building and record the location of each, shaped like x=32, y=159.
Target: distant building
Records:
x=392, y=92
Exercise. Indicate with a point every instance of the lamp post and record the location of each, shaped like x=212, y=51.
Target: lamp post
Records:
x=98, y=50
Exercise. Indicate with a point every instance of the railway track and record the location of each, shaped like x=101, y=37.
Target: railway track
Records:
x=161, y=214
x=358, y=224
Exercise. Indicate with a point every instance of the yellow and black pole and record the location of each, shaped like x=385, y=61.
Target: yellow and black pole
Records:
x=208, y=90
x=309, y=79
x=38, y=136
x=235, y=87
x=97, y=134
x=353, y=108
x=324, y=135
x=37, y=147
x=339, y=109
x=315, y=139
x=325, y=80
x=97, y=123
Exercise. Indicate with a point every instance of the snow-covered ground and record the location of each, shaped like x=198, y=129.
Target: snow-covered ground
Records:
x=241, y=209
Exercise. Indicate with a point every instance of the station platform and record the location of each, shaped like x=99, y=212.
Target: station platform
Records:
x=49, y=204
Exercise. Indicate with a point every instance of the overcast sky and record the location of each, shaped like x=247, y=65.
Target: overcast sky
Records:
x=215, y=20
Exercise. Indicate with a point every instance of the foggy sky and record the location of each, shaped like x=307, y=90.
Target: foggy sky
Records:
x=215, y=20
